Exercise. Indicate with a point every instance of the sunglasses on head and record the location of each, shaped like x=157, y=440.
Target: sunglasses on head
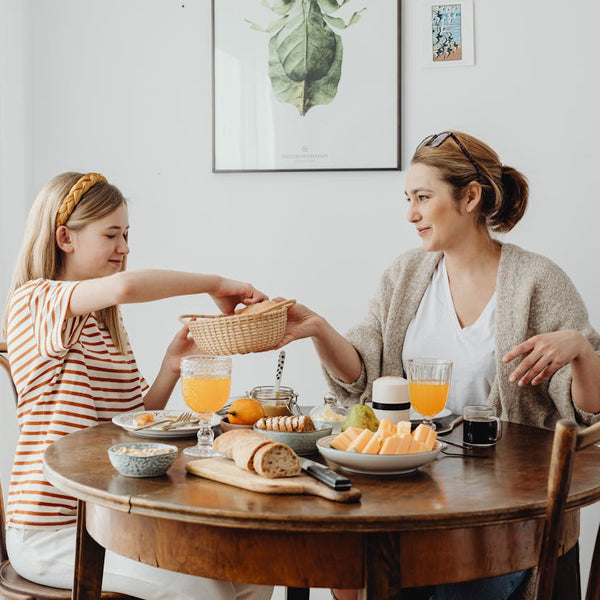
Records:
x=437, y=139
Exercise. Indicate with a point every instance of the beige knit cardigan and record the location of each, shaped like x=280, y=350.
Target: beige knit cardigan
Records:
x=533, y=295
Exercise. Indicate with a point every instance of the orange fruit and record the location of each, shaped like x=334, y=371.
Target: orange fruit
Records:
x=245, y=411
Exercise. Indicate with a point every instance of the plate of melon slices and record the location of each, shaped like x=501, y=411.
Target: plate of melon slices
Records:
x=411, y=454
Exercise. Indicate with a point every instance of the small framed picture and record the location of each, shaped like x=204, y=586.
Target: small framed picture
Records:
x=448, y=33
x=306, y=85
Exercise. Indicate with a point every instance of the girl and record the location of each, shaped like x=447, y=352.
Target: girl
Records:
x=467, y=297
x=73, y=368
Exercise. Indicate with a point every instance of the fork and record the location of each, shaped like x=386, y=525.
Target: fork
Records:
x=182, y=419
x=154, y=424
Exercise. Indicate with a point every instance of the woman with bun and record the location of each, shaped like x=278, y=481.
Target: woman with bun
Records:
x=511, y=321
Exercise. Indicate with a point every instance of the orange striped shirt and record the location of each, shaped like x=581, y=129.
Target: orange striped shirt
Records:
x=69, y=376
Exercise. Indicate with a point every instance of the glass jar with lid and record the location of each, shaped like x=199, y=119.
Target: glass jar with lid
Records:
x=330, y=414
x=283, y=402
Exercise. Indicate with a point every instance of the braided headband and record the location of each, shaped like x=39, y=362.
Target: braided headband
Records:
x=68, y=205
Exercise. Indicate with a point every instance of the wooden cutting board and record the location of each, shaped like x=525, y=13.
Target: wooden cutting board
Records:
x=226, y=471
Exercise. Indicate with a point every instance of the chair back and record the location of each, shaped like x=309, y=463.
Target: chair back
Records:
x=567, y=441
x=6, y=366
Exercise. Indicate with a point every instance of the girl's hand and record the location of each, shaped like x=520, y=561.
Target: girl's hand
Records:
x=230, y=293
x=545, y=354
x=301, y=323
x=181, y=345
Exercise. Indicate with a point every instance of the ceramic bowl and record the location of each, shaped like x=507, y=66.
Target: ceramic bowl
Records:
x=301, y=442
x=129, y=459
x=227, y=426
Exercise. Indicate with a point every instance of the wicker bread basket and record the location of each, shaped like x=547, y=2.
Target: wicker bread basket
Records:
x=240, y=333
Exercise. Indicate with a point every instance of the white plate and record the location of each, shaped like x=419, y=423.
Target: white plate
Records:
x=127, y=422
x=377, y=464
x=415, y=416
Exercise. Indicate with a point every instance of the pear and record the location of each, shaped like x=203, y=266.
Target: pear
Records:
x=361, y=416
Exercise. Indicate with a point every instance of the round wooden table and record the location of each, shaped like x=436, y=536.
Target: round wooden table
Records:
x=455, y=519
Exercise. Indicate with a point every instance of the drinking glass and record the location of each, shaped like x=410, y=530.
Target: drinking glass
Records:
x=205, y=385
x=428, y=384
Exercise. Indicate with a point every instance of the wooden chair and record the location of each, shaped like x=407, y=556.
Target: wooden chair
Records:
x=12, y=585
x=567, y=441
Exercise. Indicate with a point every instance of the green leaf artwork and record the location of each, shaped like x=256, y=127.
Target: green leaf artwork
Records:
x=305, y=54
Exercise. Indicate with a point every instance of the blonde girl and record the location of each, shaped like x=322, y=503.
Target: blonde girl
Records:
x=73, y=368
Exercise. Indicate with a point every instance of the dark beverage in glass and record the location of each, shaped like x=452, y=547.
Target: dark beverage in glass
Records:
x=481, y=432
x=481, y=426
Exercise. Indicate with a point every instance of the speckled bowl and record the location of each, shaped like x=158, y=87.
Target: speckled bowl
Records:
x=301, y=442
x=143, y=466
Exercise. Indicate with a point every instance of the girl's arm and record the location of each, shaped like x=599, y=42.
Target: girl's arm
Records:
x=548, y=352
x=336, y=353
x=158, y=395
x=127, y=287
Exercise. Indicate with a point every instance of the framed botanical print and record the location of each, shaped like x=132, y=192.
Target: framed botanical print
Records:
x=303, y=85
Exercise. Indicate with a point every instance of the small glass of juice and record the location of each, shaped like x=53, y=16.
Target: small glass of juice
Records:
x=205, y=385
x=428, y=385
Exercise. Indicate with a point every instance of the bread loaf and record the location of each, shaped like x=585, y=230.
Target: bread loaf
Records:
x=254, y=308
x=276, y=460
x=301, y=423
x=224, y=443
x=245, y=449
x=258, y=454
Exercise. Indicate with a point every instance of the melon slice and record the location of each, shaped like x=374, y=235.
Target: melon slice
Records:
x=360, y=443
x=343, y=440
x=426, y=436
x=374, y=445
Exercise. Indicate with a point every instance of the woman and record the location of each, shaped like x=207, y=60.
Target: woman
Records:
x=467, y=297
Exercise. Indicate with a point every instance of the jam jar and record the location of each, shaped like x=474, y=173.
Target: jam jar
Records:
x=283, y=402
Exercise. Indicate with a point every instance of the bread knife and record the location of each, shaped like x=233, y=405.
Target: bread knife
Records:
x=324, y=475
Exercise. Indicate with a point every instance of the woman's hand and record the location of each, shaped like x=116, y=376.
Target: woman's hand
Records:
x=301, y=323
x=230, y=293
x=544, y=355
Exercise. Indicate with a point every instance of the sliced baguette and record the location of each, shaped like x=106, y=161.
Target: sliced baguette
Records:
x=225, y=443
x=245, y=449
x=276, y=460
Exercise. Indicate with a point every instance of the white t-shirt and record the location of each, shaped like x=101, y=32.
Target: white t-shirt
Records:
x=435, y=332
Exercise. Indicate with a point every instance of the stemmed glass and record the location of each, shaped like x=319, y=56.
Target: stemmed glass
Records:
x=428, y=385
x=205, y=384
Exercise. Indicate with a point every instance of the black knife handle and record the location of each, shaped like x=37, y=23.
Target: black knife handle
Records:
x=329, y=478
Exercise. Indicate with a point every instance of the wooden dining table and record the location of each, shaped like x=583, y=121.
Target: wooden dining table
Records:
x=454, y=519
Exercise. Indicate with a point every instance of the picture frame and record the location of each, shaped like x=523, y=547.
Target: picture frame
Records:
x=305, y=90
x=448, y=33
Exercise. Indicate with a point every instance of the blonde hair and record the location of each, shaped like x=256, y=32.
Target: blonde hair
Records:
x=40, y=256
x=504, y=190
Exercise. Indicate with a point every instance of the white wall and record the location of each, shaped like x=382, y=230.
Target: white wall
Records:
x=124, y=88
x=16, y=181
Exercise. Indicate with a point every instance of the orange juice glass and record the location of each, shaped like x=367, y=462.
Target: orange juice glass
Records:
x=205, y=385
x=428, y=384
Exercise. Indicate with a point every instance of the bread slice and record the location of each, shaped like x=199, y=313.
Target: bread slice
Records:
x=225, y=443
x=245, y=449
x=291, y=423
x=276, y=460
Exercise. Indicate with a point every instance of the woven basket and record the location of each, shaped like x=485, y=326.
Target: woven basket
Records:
x=240, y=333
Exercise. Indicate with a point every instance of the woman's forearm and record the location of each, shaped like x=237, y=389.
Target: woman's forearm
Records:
x=585, y=385
x=337, y=354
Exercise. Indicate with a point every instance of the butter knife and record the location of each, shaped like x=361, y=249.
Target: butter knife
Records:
x=324, y=475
